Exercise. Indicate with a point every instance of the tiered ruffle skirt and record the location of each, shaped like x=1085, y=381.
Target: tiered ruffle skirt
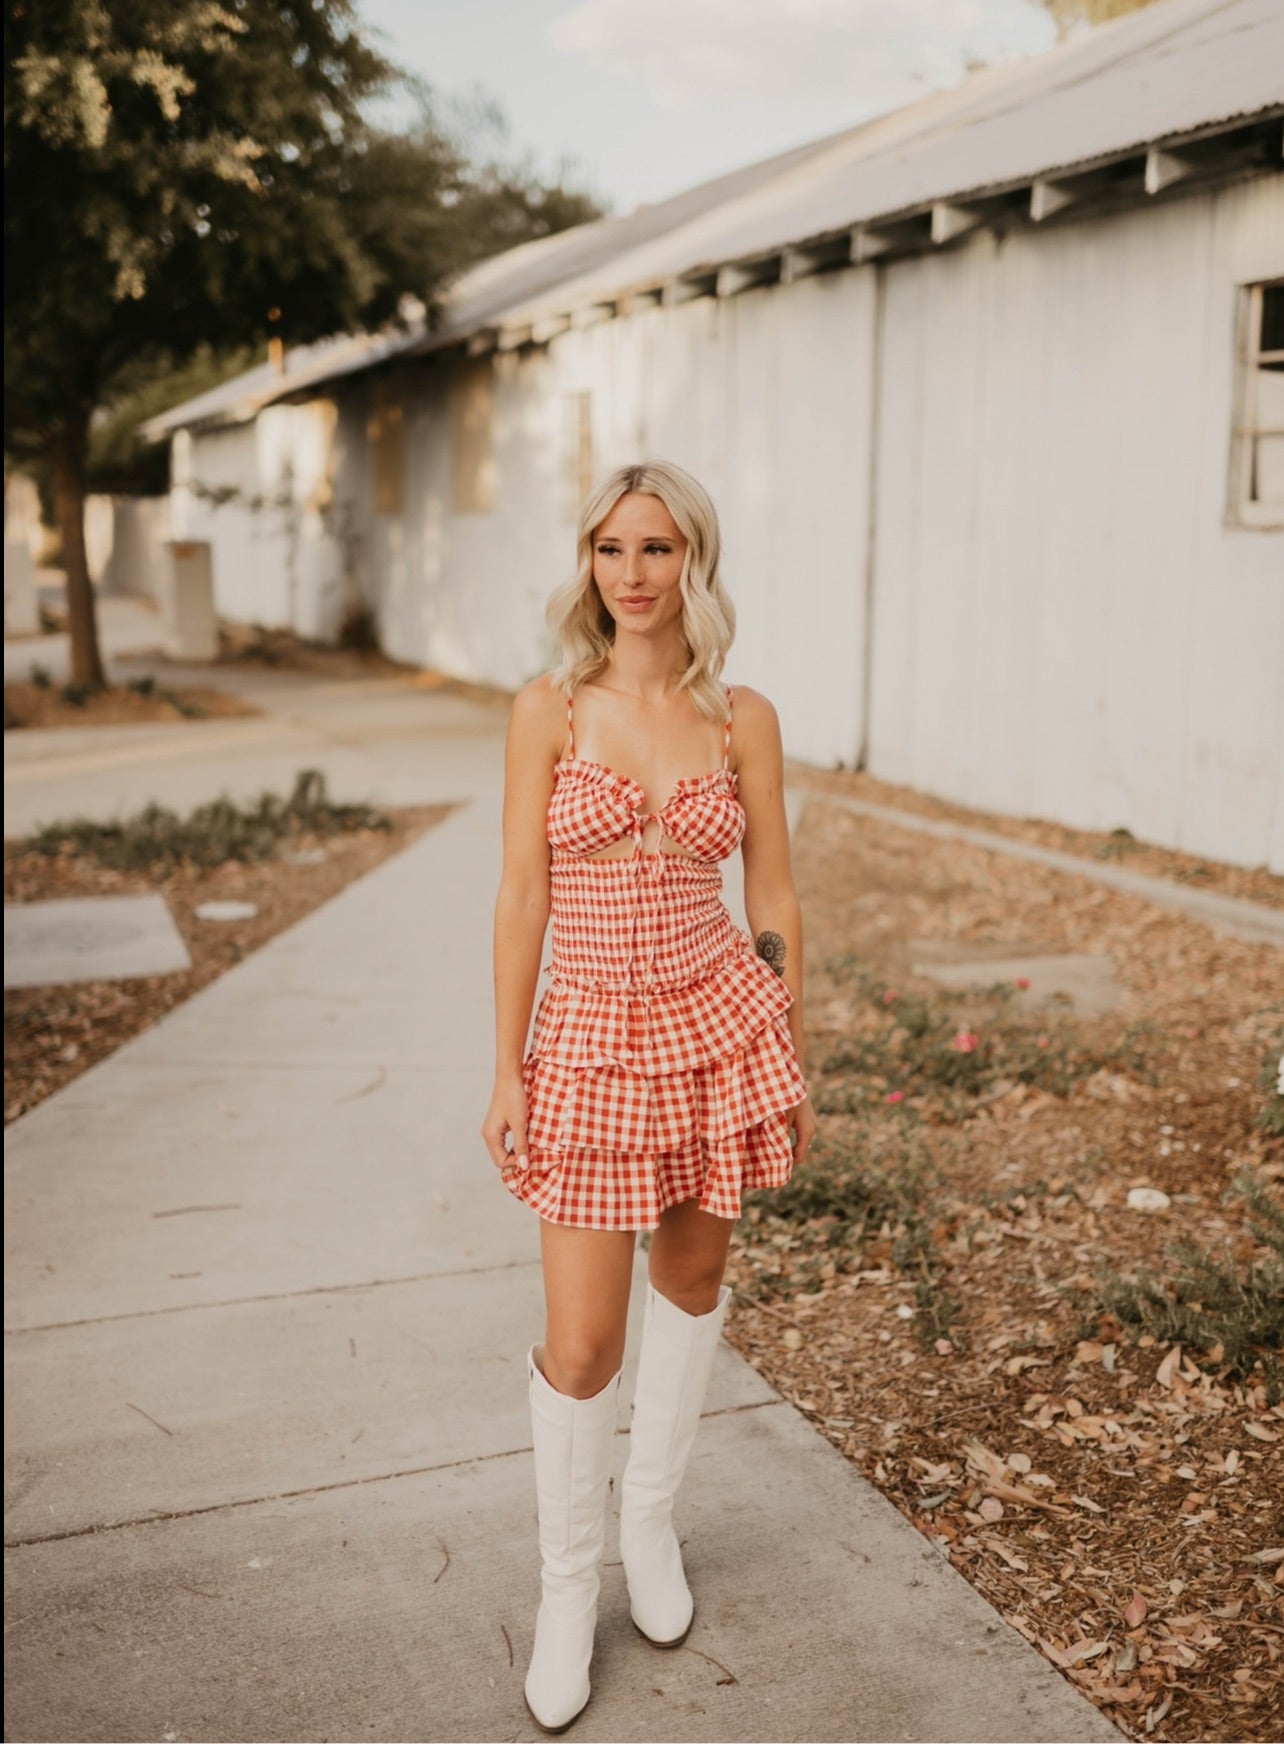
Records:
x=638, y=1099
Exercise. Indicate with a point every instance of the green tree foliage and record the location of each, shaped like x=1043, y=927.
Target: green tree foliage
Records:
x=117, y=461
x=1068, y=15
x=187, y=178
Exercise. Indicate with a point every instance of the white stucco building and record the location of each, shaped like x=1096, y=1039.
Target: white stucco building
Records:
x=989, y=392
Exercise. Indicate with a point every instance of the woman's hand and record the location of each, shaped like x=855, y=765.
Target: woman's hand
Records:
x=803, y=1120
x=507, y=1114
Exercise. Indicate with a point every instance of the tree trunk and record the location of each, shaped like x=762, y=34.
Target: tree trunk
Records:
x=67, y=464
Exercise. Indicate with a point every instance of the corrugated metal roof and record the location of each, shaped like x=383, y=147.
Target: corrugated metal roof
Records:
x=1168, y=71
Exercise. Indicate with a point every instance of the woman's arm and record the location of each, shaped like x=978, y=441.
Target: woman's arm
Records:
x=521, y=908
x=771, y=900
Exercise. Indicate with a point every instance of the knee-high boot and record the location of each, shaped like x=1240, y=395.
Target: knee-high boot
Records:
x=572, y=1441
x=673, y=1377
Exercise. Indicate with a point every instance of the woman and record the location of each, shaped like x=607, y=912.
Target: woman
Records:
x=664, y=1075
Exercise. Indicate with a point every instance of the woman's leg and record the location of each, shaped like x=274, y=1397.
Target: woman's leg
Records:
x=685, y=1307
x=587, y=1275
x=574, y=1385
x=689, y=1255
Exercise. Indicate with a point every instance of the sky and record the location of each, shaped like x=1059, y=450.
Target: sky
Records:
x=635, y=100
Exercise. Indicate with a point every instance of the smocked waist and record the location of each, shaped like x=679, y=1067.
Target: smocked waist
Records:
x=629, y=927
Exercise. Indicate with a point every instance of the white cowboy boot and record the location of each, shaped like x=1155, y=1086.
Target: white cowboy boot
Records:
x=673, y=1377
x=572, y=1440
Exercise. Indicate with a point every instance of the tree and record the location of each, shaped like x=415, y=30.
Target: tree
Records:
x=200, y=175
x=1068, y=15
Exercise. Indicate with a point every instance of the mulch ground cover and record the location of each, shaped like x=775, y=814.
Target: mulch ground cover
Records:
x=258, y=645
x=1117, y=847
x=52, y=1034
x=1087, y=1423
x=28, y=703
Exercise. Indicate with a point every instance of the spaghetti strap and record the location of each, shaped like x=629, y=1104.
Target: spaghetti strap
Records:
x=726, y=734
x=570, y=722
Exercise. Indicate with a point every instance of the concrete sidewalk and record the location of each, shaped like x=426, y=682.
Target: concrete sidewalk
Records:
x=269, y=1471
x=387, y=740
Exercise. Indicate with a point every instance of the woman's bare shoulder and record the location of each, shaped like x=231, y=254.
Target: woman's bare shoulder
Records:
x=540, y=699
x=753, y=715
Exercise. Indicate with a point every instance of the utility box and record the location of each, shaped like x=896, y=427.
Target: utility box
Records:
x=21, y=607
x=191, y=629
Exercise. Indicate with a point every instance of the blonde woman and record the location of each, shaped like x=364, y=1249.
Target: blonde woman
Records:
x=664, y=1071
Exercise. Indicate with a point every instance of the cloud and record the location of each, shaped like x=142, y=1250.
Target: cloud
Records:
x=872, y=53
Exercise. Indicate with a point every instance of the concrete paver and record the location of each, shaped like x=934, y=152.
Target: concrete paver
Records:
x=224, y=1524
x=90, y=938
x=387, y=1610
x=126, y=627
x=1083, y=979
x=384, y=740
x=262, y=1398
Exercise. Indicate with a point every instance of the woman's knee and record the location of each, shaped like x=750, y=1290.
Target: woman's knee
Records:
x=689, y=1284
x=580, y=1366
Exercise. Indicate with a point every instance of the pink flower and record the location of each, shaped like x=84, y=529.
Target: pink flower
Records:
x=965, y=1041
x=1022, y=981
x=895, y=1096
x=889, y=996
x=1040, y=1041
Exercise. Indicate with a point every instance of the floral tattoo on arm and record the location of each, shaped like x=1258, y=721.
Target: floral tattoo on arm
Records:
x=771, y=948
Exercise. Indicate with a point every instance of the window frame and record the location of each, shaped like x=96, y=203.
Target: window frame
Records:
x=386, y=437
x=1244, y=510
x=474, y=472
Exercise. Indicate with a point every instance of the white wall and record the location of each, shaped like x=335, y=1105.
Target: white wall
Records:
x=259, y=493
x=138, y=561
x=1063, y=624
x=765, y=397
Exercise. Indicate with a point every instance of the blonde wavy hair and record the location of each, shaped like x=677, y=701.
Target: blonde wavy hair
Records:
x=579, y=618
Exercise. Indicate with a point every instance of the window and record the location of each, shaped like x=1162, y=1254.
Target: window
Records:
x=577, y=453
x=1257, y=461
x=472, y=432
x=385, y=429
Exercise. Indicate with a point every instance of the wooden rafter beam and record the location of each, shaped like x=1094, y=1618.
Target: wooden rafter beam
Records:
x=949, y=221
x=678, y=291
x=743, y=276
x=867, y=243
x=549, y=327
x=1163, y=168
x=1048, y=198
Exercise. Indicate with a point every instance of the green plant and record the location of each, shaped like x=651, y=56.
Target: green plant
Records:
x=77, y=695
x=1116, y=845
x=951, y=1049
x=1270, y=1078
x=359, y=630
x=1227, y=1311
x=840, y=1202
x=191, y=710
x=213, y=833
x=143, y=686
x=40, y=675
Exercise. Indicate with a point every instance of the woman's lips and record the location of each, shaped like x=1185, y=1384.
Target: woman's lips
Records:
x=636, y=605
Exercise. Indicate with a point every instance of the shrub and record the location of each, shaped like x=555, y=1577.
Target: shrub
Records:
x=213, y=833
x=1227, y=1312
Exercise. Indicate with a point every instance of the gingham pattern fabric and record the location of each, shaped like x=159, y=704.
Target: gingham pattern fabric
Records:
x=661, y=1066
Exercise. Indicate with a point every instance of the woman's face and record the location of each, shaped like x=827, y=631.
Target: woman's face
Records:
x=638, y=553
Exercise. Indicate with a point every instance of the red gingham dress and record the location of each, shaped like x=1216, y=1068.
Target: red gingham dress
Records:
x=661, y=1066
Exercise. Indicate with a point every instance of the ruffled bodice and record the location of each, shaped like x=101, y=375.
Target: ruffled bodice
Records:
x=592, y=807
